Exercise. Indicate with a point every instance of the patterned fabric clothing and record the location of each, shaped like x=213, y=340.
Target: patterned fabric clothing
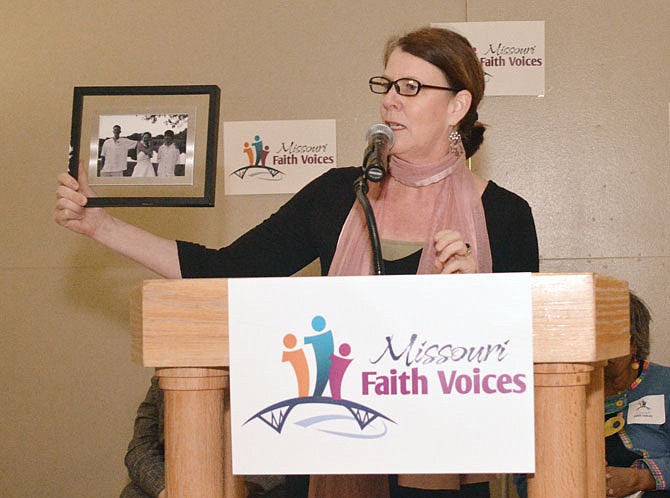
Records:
x=145, y=459
x=647, y=429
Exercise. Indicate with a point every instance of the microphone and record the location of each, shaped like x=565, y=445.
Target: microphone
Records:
x=375, y=162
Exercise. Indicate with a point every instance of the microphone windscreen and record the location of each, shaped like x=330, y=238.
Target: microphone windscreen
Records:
x=380, y=128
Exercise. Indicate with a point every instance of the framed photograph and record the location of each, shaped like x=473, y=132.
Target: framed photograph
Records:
x=146, y=145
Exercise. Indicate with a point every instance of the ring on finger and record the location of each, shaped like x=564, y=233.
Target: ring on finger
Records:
x=467, y=250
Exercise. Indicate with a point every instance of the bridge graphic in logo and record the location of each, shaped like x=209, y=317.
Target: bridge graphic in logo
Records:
x=256, y=153
x=330, y=371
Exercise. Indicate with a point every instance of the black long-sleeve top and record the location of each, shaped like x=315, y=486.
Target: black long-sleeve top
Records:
x=308, y=226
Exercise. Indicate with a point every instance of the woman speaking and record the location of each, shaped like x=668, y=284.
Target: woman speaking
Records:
x=433, y=214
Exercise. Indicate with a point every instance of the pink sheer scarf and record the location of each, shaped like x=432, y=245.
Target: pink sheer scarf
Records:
x=457, y=206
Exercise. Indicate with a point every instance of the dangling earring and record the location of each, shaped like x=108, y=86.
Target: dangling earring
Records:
x=454, y=141
x=635, y=365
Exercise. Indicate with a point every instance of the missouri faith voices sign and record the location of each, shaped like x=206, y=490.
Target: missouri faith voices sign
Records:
x=393, y=374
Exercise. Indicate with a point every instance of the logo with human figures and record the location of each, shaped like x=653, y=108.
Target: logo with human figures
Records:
x=256, y=153
x=313, y=384
x=642, y=405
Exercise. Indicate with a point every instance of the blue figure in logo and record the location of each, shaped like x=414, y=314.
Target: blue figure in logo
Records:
x=324, y=347
x=258, y=145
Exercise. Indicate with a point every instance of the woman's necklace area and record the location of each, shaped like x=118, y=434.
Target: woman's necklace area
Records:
x=616, y=402
x=615, y=405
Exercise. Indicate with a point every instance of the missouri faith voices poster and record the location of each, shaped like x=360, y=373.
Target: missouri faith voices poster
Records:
x=392, y=374
x=276, y=157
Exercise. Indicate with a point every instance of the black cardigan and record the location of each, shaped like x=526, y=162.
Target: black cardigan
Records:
x=309, y=224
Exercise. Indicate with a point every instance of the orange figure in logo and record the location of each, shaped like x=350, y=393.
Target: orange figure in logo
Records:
x=250, y=154
x=299, y=363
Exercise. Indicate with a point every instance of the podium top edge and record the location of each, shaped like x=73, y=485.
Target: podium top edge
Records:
x=533, y=275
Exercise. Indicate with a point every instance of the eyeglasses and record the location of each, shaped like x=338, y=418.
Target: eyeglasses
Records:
x=404, y=86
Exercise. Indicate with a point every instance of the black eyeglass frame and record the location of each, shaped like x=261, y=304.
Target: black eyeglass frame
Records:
x=395, y=85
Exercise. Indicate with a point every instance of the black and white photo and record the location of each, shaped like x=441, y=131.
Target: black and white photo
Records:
x=146, y=146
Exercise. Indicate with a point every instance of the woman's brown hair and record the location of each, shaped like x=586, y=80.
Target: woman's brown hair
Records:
x=455, y=57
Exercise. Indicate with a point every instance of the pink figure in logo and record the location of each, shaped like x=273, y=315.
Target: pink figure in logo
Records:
x=299, y=363
x=264, y=154
x=338, y=365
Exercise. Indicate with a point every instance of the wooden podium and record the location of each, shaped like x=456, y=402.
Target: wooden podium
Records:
x=180, y=327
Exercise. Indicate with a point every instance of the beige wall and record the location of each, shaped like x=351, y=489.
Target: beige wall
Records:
x=591, y=156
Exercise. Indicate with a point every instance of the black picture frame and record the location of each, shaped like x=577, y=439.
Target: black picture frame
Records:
x=147, y=179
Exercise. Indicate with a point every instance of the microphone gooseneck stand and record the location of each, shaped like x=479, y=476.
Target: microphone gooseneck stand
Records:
x=375, y=162
x=361, y=188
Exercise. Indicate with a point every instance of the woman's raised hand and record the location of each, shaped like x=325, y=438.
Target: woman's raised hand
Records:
x=71, y=199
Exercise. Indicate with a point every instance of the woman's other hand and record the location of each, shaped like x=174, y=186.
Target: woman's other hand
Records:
x=624, y=481
x=453, y=254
